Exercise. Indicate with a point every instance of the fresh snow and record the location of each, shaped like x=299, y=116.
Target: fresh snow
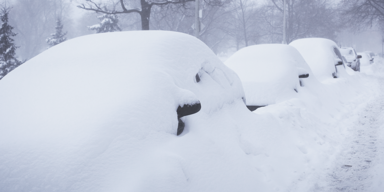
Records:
x=348, y=53
x=270, y=73
x=98, y=114
x=320, y=55
x=358, y=161
x=365, y=58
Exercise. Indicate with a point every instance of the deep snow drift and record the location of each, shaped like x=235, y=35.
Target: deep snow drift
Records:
x=98, y=113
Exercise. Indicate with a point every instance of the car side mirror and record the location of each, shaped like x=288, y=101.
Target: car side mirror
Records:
x=339, y=63
x=304, y=76
x=254, y=107
x=359, y=56
x=185, y=110
x=188, y=109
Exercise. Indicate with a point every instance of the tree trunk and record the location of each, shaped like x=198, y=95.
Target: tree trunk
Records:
x=244, y=23
x=284, y=24
x=197, y=19
x=145, y=14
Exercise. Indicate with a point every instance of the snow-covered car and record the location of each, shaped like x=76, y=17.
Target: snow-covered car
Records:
x=366, y=58
x=322, y=55
x=351, y=57
x=270, y=73
x=371, y=54
x=92, y=113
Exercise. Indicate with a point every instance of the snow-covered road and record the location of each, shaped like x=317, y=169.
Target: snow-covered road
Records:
x=359, y=163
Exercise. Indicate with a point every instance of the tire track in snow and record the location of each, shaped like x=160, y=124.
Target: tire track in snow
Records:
x=351, y=169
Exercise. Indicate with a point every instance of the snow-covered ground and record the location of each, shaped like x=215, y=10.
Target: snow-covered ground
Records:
x=108, y=123
x=358, y=161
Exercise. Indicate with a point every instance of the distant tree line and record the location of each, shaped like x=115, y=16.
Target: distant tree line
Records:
x=363, y=12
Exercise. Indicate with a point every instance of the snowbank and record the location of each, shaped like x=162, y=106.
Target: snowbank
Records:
x=353, y=145
x=98, y=113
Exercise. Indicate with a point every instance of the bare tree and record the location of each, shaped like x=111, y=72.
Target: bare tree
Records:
x=243, y=25
x=305, y=18
x=173, y=17
x=216, y=23
x=241, y=14
x=362, y=12
x=215, y=26
x=144, y=9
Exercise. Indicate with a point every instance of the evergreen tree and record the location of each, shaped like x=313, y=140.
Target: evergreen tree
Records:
x=108, y=23
x=58, y=36
x=8, y=60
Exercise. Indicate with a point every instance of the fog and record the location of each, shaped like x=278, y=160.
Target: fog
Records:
x=226, y=25
x=364, y=40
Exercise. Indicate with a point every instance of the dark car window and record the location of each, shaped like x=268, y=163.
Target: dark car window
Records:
x=337, y=52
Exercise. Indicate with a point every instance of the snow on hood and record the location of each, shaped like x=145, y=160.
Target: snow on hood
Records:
x=97, y=108
x=348, y=54
x=319, y=54
x=269, y=72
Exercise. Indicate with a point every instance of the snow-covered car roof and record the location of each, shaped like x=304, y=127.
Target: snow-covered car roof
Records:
x=89, y=113
x=320, y=55
x=269, y=72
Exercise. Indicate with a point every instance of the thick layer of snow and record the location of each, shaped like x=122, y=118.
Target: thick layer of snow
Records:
x=320, y=56
x=348, y=53
x=269, y=73
x=365, y=58
x=98, y=114
x=358, y=161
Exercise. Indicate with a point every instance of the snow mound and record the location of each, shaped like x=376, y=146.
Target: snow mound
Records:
x=320, y=55
x=92, y=113
x=269, y=73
